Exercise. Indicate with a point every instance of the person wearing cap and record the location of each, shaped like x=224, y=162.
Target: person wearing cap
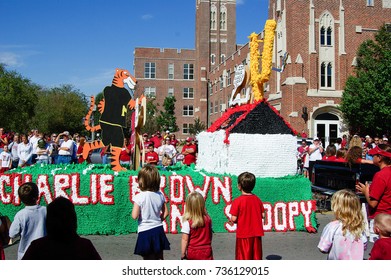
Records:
x=65, y=148
x=189, y=151
x=385, y=140
x=378, y=193
x=315, y=153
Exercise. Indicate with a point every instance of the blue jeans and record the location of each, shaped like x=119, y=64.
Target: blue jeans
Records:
x=64, y=159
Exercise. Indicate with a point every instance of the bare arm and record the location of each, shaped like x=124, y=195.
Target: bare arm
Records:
x=184, y=243
x=234, y=219
x=164, y=212
x=365, y=191
x=135, y=211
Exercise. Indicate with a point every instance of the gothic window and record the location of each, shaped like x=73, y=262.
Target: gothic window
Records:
x=326, y=75
x=212, y=59
x=223, y=18
x=322, y=36
x=326, y=25
x=328, y=37
x=213, y=17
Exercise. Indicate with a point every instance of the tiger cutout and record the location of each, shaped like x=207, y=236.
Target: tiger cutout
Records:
x=113, y=108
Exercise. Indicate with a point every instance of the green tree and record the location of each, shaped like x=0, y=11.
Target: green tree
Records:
x=60, y=108
x=366, y=100
x=151, y=124
x=18, y=99
x=197, y=127
x=166, y=119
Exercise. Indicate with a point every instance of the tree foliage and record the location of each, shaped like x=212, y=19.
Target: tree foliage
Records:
x=25, y=106
x=60, y=108
x=18, y=98
x=197, y=127
x=166, y=119
x=366, y=100
x=151, y=124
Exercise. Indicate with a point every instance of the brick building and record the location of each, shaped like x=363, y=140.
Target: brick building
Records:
x=320, y=36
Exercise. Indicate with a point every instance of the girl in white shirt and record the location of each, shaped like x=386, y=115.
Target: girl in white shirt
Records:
x=150, y=210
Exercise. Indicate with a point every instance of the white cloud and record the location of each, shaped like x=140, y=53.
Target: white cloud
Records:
x=240, y=2
x=146, y=17
x=11, y=59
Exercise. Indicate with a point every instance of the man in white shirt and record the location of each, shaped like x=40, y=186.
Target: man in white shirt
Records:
x=65, y=148
x=315, y=153
x=34, y=143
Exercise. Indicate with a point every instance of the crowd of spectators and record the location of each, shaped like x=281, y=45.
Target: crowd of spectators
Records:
x=354, y=149
x=35, y=147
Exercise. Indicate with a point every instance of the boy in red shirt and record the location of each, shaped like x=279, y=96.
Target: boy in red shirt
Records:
x=151, y=157
x=247, y=212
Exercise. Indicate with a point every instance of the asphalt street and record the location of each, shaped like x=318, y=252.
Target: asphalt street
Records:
x=276, y=245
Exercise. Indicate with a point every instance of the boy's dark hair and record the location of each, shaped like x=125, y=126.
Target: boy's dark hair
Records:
x=28, y=193
x=246, y=181
x=151, y=145
x=149, y=178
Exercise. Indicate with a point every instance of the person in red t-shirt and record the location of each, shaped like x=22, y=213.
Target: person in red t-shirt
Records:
x=79, y=152
x=330, y=153
x=189, y=151
x=124, y=156
x=3, y=139
x=247, y=212
x=157, y=140
x=381, y=250
x=196, y=241
x=151, y=157
x=378, y=193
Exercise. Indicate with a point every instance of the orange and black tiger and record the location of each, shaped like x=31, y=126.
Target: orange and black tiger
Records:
x=113, y=108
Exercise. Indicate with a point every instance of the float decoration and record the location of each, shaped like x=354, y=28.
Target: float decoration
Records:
x=117, y=99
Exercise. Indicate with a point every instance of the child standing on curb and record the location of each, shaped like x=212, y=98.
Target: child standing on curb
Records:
x=150, y=210
x=381, y=250
x=344, y=238
x=247, y=212
x=196, y=241
x=29, y=222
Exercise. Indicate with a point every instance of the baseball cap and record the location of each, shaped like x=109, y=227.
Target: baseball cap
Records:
x=66, y=133
x=189, y=139
x=167, y=131
x=378, y=151
x=385, y=139
x=145, y=134
x=316, y=139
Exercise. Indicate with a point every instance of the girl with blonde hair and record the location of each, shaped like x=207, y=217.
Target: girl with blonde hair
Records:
x=196, y=241
x=344, y=238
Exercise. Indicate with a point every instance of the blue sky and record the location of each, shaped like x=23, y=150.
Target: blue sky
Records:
x=81, y=42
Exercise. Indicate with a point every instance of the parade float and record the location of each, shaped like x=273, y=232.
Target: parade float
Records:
x=247, y=137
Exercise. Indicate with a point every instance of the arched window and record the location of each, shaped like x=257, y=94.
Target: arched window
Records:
x=322, y=36
x=323, y=75
x=326, y=75
x=213, y=17
x=329, y=32
x=329, y=74
x=223, y=18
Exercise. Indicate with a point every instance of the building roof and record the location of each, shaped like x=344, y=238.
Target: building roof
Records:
x=256, y=118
